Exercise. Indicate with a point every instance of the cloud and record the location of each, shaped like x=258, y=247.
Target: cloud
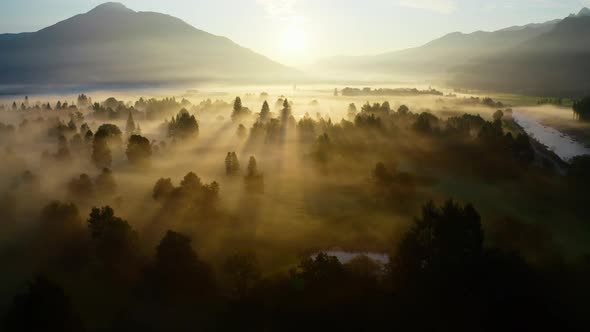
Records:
x=441, y=6
x=278, y=8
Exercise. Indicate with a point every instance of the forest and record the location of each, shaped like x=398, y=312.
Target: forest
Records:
x=287, y=211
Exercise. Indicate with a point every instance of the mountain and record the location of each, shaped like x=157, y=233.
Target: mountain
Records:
x=584, y=12
x=438, y=56
x=114, y=44
x=554, y=63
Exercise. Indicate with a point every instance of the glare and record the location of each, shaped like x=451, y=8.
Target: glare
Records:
x=294, y=39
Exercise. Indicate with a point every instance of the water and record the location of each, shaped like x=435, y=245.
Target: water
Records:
x=561, y=144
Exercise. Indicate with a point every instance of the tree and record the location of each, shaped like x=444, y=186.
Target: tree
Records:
x=498, y=115
x=243, y=272
x=178, y=276
x=241, y=132
x=162, y=189
x=322, y=271
x=88, y=137
x=232, y=165
x=403, y=110
x=110, y=132
x=105, y=183
x=252, y=167
x=322, y=148
x=81, y=188
x=45, y=307
x=184, y=126
x=83, y=101
x=237, y=109
x=352, y=112
x=381, y=175
x=254, y=179
x=264, y=116
x=582, y=108
x=443, y=245
x=285, y=112
x=130, y=128
x=385, y=107
x=63, y=151
x=139, y=151
x=101, y=153
x=116, y=243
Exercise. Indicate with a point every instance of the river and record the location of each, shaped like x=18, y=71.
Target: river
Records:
x=561, y=144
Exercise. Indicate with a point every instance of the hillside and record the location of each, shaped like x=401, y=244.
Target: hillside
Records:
x=554, y=63
x=438, y=56
x=114, y=44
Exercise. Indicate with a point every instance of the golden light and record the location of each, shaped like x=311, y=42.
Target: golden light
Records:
x=294, y=39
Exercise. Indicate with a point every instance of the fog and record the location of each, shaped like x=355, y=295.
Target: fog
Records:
x=327, y=177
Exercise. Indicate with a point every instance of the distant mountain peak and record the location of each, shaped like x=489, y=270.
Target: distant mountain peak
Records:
x=109, y=7
x=584, y=12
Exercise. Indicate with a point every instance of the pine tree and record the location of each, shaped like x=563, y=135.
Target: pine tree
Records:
x=237, y=110
x=228, y=164
x=264, y=112
x=254, y=179
x=130, y=127
x=252, y=167
x=235, y=164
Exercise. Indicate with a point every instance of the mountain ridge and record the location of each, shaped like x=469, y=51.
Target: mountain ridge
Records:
x=112, y=43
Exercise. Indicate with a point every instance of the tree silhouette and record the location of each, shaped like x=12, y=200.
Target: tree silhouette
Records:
x=45, y=307
x=264, y=115
x=254, y=179
x=130, y=128
x=241, y=132
x=105, y=183
x=237, y=109
x=184, y=126
x=178, y=276
x=139, y=151
x=243, y=272
x=232, y=165
x=63, y=151
x=352, y=112
x=81, y=188
x=443, y=244
x=162, y=189
x=101, y=153
x=115, y=242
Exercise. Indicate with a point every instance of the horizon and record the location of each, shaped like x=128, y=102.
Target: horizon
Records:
x=216, y=166
x=303, y=37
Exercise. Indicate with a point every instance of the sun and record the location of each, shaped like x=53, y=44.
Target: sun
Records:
x=294, y=39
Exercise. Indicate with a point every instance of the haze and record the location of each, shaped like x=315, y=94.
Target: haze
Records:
x=300, y=32
x=294, y=165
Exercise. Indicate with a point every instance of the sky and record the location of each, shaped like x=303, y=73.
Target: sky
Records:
x=299, y=32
